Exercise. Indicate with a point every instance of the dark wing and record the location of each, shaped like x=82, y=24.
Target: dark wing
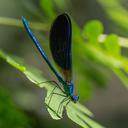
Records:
x=60, y=44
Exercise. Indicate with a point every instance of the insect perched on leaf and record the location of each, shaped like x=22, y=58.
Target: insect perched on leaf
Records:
x=60, y=45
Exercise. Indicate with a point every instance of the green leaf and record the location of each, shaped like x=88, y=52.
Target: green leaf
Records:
x=53, y=101
x=112, y=46
x=92, y=30
x=31, y=73
x=76, y=112
x=81, y=117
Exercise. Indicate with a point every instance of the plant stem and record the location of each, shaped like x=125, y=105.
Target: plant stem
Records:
x=18, y=23
x=123, y=42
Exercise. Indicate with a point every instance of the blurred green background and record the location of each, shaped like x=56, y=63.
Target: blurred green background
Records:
x=21, y=103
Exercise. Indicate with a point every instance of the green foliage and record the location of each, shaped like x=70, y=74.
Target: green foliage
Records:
x=92, y=30
x=48, y=7
x=10, y=116
x=112, y=45
x=109, y=55
x=116, y=12
x=75, y=111
x=51, y=6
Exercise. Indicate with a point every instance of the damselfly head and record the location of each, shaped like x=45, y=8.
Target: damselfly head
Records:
x=75, y=98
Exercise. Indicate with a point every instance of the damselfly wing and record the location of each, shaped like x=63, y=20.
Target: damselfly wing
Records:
x=60, y=45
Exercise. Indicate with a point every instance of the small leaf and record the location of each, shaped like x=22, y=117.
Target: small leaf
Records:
x=12, y=61
x=92, y=30
x=53, y=101
x=81, y=117
x=112, y=46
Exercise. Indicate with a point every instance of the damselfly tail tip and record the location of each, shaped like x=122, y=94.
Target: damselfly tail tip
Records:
x=23, y=19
